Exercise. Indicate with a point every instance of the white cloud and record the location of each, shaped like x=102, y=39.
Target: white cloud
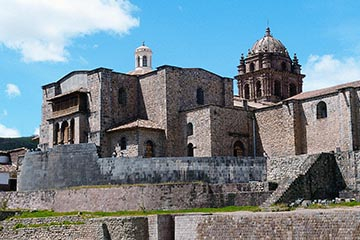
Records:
x=12, y=90
x=36, y=131
x=41, y=30
x=8, y=132
x=325, y=71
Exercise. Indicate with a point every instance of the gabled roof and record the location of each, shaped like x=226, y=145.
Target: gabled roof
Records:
x=139, y=123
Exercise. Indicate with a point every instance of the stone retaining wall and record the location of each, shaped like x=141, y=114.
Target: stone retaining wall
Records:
x=139, y=197
x=299, y=224
x=304, y=224
x=77, y=165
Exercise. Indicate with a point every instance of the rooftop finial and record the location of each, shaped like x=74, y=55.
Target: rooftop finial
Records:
x=267, y=32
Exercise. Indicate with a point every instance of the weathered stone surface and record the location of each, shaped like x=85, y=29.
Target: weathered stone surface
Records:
x=77, y=164
x=139, y=197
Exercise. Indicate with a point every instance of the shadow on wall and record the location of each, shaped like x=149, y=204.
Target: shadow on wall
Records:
x=322, y=181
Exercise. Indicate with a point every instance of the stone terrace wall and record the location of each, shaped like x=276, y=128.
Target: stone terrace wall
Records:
x=182, y=169
x=78, y=164
x=129, y=228
x=304, y=224
x=139, y=197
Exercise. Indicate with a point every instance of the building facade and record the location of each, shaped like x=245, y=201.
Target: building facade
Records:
x=172, y=112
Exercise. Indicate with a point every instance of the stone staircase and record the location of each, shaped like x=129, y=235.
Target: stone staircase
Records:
x=292, y=174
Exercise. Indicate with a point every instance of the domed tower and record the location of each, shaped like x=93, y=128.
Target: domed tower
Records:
x=268, y=74
x=143, y=60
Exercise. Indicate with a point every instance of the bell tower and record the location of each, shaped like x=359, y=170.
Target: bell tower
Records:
x=267, y=73
x=143, y=60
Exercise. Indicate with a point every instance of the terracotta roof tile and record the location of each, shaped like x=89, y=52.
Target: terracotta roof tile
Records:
x=324, y=91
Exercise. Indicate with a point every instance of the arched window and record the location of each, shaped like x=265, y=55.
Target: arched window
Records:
x=72, y=131
x=277, y=88
x=149, y=149
x=239, y=149
x=247, y=91
x=64, y=132
x=123, y=143
x=189, y=129
x=252, y=67
x=122, y=98
x=200, y=96
x=292, y=89
x=283, y=66
x=321, y=110
x=144, y=61
x=258, y=89
x=56, y=133
x=190, y=150
x=138, y=61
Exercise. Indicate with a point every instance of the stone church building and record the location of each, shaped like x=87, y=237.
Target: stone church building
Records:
x=173, y=112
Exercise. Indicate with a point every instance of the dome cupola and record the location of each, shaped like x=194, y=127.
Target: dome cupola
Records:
x=268, y=44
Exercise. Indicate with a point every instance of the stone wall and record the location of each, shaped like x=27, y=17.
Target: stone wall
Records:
x=78, y=164
x=138, y=197
x=276, y=130
x=127, y=228
x=301, y=224
x=333, y=133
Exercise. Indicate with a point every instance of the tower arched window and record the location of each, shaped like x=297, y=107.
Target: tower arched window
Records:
x=292, y=89
x=190, y=150
x=277, y=88
x=283, y=66
x=122, y=97
x=321, y=110
x=239, y=149
x=258, y=89
x=252, y=67
x=123, y=143
x=247, y=91
x=145, y=63
x=200, y=96
x=189, y=129
x=138, y=61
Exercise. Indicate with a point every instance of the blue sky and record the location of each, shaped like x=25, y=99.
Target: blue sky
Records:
x=41, y=41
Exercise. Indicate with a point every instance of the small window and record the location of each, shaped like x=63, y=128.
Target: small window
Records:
x=277, y=87
x=138, y=61
x=283, y=66
x=123, y=143
x=252, y=67
x=189, y=129
x=258, y=89
x=200, y=96
x=247, y=91
x=190, y=150
x=321, y=110
x=144, y=61
x=292, y=89
x=122, y=98
x=149, y=149
x=239, y=149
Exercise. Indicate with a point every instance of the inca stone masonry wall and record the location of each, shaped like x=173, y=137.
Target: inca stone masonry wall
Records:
x=300, y=224
x=139, y=197
x=126, y=228
x=76, y=165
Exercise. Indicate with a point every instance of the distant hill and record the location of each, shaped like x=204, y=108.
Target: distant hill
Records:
x=12, y=143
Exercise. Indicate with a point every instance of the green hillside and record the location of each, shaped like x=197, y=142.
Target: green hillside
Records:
x=12, y=143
